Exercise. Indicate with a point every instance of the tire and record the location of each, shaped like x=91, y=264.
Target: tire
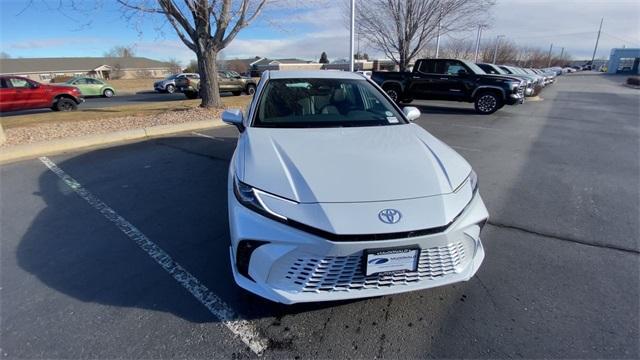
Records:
x=170, y=89
x=191, y=95
x=65, y=104
x=393, y=91
x=107, y=93
x=236, y=93
x=487, y=103
x=251, y=89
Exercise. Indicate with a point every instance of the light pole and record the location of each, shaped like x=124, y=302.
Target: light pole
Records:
x=478, y=42
x=495, y=51
x=550, y=50
x=353, y=25
x=438, y=41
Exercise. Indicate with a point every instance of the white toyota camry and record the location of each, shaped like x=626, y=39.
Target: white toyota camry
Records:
x=335, y=194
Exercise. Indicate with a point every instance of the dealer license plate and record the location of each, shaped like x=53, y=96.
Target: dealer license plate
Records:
x=391, y=259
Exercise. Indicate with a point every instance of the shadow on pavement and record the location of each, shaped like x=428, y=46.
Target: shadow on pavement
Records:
x=176, y=195
x=431, y=109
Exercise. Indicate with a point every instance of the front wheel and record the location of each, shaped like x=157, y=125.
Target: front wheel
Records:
x=393, y=92
x=487, y=103
x=170, y=89
x=65, y=104
x=251, y=89
x=107, y=93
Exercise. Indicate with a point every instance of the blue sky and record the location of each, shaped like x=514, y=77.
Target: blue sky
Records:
x=299, y=28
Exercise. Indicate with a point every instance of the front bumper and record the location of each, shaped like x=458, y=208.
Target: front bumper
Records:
x=295, y=266
x=515, y=99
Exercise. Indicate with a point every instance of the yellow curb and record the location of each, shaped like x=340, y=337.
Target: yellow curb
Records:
x=51, y=147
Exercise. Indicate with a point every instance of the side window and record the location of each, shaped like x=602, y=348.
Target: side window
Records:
x=80, y=82
x=94, y=82
x=427, y=67
x=452, y=67
x=19, y=83
x=3, y=84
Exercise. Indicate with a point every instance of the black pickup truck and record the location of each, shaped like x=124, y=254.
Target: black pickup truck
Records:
x=454, y=80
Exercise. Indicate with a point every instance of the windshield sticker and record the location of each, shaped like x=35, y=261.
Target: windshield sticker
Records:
x=392, y=120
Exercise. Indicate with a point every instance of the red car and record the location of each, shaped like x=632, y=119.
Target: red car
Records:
x=19, y=93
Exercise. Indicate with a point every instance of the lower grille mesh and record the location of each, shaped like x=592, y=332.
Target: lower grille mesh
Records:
x=346, y=273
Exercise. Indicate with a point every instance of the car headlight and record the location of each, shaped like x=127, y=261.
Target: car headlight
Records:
x=473, y=180
x=251, y=198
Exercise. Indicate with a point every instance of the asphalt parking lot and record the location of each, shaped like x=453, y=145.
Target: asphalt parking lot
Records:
x=561, y=276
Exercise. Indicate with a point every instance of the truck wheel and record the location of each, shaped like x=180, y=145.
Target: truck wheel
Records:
x=191, y=94
x=170, y=89
x=64, y=104
x=107, y=93
x=487, y=103
x=393, y=91
x=251, y=89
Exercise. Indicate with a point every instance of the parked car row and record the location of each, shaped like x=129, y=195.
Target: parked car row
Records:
x=488, y=86
x=189, y=84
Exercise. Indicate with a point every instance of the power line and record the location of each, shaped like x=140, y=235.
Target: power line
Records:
x=621, y=39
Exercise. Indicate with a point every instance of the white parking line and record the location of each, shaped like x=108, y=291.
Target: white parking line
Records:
x=242, y=328
x=207, y=136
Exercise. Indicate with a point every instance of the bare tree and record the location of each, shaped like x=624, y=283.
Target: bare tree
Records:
x=401, y=29
x=175, y=66
x=206, y=27
x=192, y=67
x=458, y=49
x=121, y=52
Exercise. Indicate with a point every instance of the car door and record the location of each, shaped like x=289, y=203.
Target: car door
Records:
x=451, y=83
x=26, y=95
x=423, y=80
x=7, y=95
x=225, y=83
x=94, y=86
x=82, y=85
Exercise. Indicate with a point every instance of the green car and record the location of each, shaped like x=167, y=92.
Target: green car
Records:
x=92, y=87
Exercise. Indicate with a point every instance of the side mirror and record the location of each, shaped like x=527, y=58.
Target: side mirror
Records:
x=34, y=85
x=462, y=72
x=411, y=112
x=234, y=117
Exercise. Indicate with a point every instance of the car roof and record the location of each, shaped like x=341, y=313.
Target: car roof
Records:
x=317, y=74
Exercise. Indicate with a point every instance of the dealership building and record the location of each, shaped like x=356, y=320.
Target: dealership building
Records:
x=624, y=60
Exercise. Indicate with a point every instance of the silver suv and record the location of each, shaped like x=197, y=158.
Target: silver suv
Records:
x=168, y=84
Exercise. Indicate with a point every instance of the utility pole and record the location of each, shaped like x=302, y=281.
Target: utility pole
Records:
x=561, y=53
x=495, y=51
x=550, y=50
x=351, y=42
x=597, y=40
x=438, y=41
x=478, y=42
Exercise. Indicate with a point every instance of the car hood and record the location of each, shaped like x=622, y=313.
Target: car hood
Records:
x=352, y=164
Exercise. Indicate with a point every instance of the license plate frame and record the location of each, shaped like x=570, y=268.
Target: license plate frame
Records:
x=399, y=258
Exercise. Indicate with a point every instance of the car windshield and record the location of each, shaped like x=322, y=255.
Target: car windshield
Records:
x=475, y=68
x=499, y=70
x=310, y=103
